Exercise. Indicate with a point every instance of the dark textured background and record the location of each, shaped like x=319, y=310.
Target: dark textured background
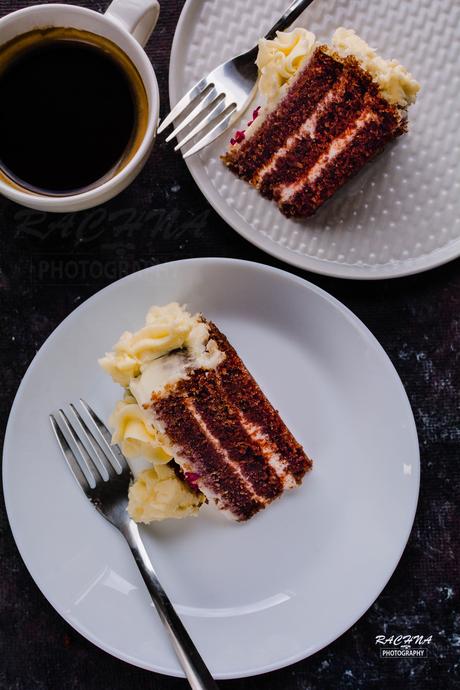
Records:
x=49, y=264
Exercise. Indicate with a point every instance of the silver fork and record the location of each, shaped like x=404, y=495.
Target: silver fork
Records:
x=102, y=472
x=218, y=99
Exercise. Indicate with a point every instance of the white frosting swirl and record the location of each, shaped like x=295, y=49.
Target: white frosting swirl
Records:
x=158, y=494
x=166, y=328
x=396, y=84
x=162, y=352
x=280, y=58
x=134, y=433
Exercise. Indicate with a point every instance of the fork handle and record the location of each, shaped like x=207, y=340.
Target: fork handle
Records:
x=293, y=11
x=193, y=665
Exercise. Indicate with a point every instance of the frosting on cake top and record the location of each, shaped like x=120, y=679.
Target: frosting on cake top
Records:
x=396, y=84
x=279, y=60
x=167, y=328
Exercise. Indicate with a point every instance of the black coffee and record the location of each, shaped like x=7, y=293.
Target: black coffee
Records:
x=69, y=114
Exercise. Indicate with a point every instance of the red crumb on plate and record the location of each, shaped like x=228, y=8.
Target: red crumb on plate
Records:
x=240, y=133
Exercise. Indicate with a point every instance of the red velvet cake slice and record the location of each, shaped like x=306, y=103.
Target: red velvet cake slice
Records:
x=337, y=110
x=226, y=439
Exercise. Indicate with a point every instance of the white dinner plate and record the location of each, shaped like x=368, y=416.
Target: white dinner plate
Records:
x=401, y=214
x=254, y=596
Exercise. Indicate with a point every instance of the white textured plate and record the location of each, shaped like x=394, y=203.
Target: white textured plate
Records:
x=401, y=214
x=254, y=596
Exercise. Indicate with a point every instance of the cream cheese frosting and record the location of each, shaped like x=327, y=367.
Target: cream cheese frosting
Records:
x=162, y=352
x=397, y=85
x=166, y=329
x=158, y=494
x=134, y=432
x=281, y=58
x=166, y=371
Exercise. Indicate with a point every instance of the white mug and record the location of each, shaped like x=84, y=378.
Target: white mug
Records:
x=128, y=24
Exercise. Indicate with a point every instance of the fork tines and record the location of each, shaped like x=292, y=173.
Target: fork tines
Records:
x=207, y=106
x=88, y=452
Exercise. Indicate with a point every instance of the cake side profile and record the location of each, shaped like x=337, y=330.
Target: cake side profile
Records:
x=215, y=427
x=325, y=118
x=226, y=433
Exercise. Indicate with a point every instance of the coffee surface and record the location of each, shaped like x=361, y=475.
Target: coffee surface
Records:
x=67, y=115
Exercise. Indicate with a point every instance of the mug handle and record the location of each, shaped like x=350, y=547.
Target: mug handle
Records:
x=138, y=17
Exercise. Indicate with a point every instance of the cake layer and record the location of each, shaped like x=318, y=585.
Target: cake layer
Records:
x=257, y=411
x=198, y=453
x=257, y=150
x=197, y=422
x=329, y=123
x=225, y=432
x=342, y=104
x=346, y=155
